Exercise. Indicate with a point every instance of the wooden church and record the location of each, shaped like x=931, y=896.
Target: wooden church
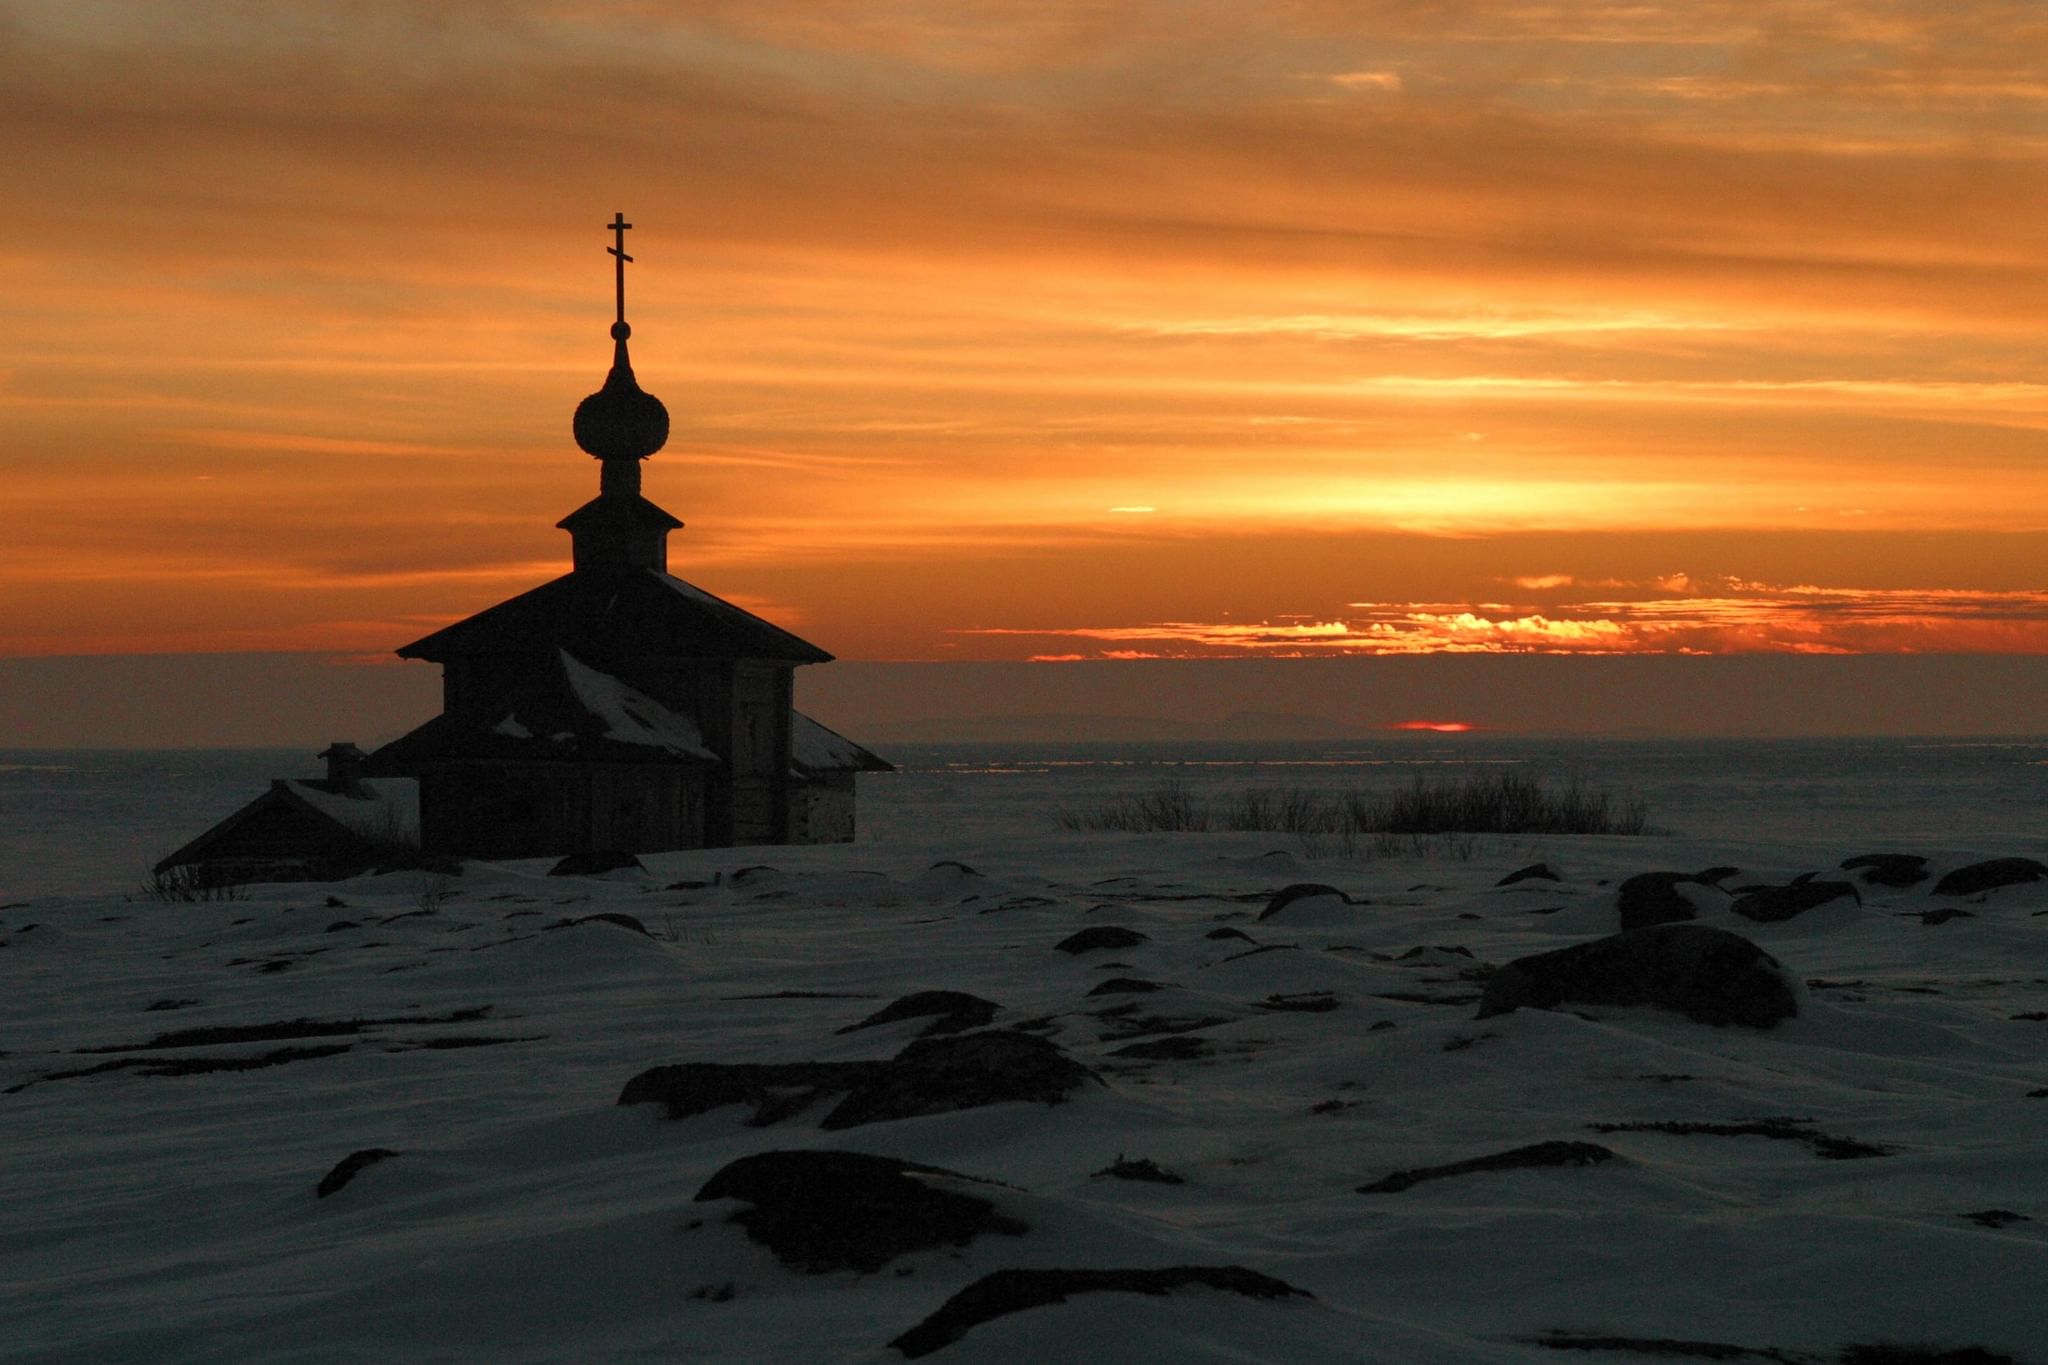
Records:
x=617, y=709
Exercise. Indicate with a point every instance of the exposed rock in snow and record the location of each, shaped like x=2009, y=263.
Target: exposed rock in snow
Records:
x=821, y=1211
x=1540, y=872
x=949, y=1012
x=1769, y=904
x=938, y=1075
x=1013, y=1291
x=931, y=1076
x=1654, y=898
x=1707, y=974
x=1097, y=937
x=1534, y=1156
x=346, y=1169
x=1888, y=869
x=1989, y=875
x=1300, y=891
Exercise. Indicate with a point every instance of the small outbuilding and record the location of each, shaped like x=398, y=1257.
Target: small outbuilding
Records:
x=313, y=829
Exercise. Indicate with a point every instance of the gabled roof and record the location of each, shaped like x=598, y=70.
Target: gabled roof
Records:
x=568, y=713
x=597, y=615
x=815, y=749
x=382, y=813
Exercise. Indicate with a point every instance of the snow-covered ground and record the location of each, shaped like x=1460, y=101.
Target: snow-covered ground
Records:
x=153, y=1216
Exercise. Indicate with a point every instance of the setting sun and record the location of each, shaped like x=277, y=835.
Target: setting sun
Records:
x=1435, y=333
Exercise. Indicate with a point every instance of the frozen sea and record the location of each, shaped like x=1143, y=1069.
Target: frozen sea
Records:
x=400, y=1117
x=94, y=820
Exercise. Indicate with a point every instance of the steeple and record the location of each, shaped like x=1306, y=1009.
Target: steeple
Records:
x=620, y=425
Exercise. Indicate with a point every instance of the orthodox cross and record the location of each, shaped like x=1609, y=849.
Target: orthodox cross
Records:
x=618, y=225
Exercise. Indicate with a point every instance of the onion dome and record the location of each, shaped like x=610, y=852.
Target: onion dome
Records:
x=621, y=421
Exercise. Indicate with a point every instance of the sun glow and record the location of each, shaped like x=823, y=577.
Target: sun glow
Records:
x=1321, y=316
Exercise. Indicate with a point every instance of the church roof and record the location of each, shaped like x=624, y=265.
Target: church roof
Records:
x=568, y=713
x=603, y=615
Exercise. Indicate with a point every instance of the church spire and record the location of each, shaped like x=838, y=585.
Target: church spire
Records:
x=621, y=424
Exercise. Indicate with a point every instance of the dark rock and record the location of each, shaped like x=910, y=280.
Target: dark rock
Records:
x=345, y=1170
x=939, y=1075
x=1709, y=975
x=1714, y=876
x=950, y=1012
x=596, y=864
x=1780, y=1130
x=821, y=1211
x=1534, y=872
x=1173, y=1048
x=1945, y=914
x=1125, y=985
x=1888, y=869
x=1125, y=1022
x=1300, y=1002
x=284, y=1030
x=774, y=1091
x=1150, y=1172
x=1227, y=932
x=1288, y=895
x=1996, y=1218
x=1519, y=1158
x=1769, y=904
x=1680, y=1348
x=1989, y=876
x=1652, y=898
x=615, y=917
x=1891, y=1353
x=1264, y=948
x=1098, y=937
x=342, y=924
x=189, y=1066
x=1013, y=1291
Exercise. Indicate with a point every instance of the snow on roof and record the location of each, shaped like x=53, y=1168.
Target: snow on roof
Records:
x=814, y=747
x=388, y=811
x=629, y=716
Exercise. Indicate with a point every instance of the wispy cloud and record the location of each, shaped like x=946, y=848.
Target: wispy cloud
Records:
x=300, y=297
x=1745, y=617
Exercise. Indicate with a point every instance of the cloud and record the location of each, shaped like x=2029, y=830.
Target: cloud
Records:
x=1749, y=618
x=302, y=293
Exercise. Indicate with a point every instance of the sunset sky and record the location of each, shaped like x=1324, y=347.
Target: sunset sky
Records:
x=1037, y=330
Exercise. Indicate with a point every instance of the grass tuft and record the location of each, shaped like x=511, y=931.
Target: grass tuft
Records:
x=1500, y=803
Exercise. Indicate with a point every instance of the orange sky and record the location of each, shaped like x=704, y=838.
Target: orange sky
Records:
x=1038, y=330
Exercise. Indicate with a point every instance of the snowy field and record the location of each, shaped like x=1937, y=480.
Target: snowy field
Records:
x=1886, y=1184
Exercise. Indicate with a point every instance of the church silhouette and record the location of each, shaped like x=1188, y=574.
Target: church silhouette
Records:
x=615, y=710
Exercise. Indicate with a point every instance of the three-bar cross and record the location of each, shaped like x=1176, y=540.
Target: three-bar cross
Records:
x=618, y=225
